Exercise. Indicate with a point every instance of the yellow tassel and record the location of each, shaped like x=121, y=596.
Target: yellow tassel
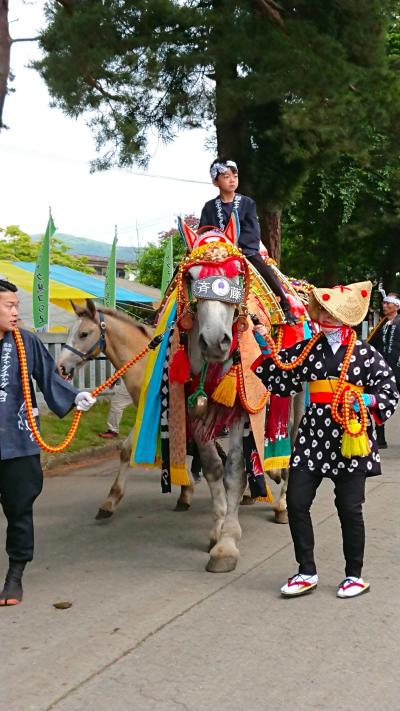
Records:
x=355, y=446
x=179, y=475
x=226, y=391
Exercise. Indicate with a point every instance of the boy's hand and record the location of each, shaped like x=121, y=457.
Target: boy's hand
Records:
x=84, y=401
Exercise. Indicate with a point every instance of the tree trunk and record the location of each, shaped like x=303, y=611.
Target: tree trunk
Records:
x=270, y=223
x=5, y=45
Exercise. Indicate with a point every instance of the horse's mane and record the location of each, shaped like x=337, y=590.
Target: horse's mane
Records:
x=144, y=327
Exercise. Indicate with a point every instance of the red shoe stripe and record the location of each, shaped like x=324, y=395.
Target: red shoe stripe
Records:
x=303, y=583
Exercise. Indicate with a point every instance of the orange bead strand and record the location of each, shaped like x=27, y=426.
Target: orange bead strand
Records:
x=77, y=416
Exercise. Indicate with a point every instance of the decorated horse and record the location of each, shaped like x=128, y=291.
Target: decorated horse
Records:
x=199, y=381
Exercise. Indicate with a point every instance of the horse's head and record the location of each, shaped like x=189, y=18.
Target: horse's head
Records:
x=213, y=281
x=85, y=339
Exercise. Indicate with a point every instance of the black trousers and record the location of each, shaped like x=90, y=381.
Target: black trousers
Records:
x=380, y=434
x=349, y=497
x=21, y=481
x=269, y=276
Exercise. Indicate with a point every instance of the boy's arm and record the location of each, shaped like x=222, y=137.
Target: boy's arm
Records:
x=249, y=238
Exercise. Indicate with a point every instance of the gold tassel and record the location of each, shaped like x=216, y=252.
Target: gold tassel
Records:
x=179, y=475
x=226, y=391
x=355, y=446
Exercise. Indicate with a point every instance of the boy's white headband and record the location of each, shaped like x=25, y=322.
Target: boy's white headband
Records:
x=392, y=300
x=222, y=168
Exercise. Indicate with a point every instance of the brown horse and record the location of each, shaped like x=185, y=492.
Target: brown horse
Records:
x=119, y=337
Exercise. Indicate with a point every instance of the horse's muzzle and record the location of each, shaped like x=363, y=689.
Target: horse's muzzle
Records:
x=215, y=352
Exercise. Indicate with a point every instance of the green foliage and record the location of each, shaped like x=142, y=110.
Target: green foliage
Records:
x=54, y=430
x=307, y=101
x=282, y=100
x=17, y=246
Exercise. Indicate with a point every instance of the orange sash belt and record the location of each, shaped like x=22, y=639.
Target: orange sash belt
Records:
x=322, y=391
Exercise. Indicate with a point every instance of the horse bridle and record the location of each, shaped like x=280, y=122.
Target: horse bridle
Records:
x=100, y=343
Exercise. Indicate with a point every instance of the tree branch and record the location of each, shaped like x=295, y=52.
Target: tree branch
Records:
x=273, y=11
x=25, y=39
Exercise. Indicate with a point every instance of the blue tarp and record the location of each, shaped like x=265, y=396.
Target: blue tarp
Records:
x=87, y=283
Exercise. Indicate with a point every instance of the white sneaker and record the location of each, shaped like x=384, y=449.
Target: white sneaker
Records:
x=299, y=585
x=351, y=587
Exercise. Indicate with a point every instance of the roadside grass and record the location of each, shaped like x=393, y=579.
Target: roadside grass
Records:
x=54, y=430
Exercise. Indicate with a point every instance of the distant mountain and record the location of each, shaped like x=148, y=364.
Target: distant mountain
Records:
x=92, y=247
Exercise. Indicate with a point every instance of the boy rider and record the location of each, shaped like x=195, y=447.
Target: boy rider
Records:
x=216, y=213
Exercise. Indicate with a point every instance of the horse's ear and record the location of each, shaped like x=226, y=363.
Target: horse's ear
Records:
x=188, y=235
x=232, y=230
x=79, y=310
x=91, y=309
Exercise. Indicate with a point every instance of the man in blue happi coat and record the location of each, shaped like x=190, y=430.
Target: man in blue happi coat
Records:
x=21, y=476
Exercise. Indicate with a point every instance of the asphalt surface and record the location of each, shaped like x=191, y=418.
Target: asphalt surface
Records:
x=150, y=630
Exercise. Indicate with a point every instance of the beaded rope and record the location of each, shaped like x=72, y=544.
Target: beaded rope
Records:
x=343, y=395
x=77, y=416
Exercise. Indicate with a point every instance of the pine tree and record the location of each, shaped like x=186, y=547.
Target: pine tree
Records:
x=287, y=89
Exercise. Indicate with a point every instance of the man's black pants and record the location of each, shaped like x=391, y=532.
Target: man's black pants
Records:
x=349, y=497
x=21, y=481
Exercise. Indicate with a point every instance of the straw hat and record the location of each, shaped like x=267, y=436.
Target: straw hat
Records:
x=348, y=304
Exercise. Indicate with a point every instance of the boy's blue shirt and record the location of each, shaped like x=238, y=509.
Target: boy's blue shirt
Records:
x=217, y=213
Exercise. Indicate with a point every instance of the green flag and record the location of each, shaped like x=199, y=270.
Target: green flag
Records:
x=40, y=291
x=168, y=266
x=109, y=286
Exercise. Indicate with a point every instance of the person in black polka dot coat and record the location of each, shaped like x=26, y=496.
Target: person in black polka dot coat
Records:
x=317, y=449
x=318, y=442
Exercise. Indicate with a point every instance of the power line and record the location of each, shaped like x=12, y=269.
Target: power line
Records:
x=119, y=170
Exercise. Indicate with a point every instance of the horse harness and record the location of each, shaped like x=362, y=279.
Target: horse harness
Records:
x=100, y=343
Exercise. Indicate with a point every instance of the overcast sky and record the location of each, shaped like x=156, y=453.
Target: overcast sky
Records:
x=44, y=159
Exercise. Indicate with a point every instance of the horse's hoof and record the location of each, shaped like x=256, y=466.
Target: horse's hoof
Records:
x=221, y=565
x=181, y=506
x=281, y=517
x=247, y=500
x=103, y=514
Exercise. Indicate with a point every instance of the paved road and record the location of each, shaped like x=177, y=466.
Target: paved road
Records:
x=150, y=630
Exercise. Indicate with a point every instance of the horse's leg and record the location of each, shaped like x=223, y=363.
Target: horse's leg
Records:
x=117, y=490
x=185, y=498
x=213, y=471
x=225, y=554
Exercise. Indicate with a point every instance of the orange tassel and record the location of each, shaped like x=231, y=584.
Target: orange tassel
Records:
x=226, y=391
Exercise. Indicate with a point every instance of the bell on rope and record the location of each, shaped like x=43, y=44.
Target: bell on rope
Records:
x=186, y=321
x=198, y=408
x=242, y=323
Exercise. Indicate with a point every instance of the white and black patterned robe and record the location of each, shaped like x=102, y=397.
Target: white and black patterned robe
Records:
x=318, y=442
